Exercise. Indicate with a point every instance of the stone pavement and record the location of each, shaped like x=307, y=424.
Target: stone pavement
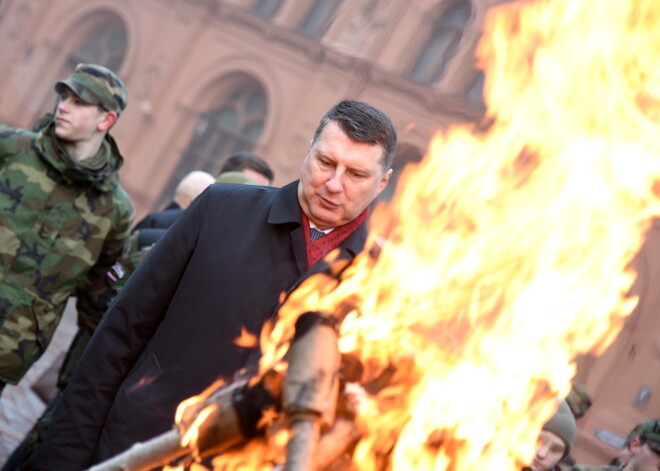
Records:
x=22, y=404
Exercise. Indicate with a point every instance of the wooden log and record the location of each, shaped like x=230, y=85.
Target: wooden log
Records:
x=144, y=456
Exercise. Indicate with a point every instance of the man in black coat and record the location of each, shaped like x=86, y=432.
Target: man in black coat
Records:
x=221, y=267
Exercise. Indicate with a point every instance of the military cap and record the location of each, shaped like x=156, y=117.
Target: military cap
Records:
x=651, y=433
x=234, y=177
x=97, y=85
x=578, y=400
x=634, y=433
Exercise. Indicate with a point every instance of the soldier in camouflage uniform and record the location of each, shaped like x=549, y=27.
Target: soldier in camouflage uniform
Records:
x=23, y=456
x=64, y=217
x=645, y=451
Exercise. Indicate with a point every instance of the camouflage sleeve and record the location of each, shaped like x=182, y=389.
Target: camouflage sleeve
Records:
x=14, y=140
x=116, y=278
x=97, y=291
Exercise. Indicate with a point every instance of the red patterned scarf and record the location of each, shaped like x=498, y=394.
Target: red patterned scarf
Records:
x=324, y=245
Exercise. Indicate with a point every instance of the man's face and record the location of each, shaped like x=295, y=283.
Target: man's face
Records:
x=75, y=119
x=339, y=178
x=624, y=455
x=549, y=451
x=644, y=458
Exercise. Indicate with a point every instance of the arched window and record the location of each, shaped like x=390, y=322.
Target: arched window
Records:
x=234, y=125
x=441, y=45
x=319, y=18
x=267, y=9
x=105, y=43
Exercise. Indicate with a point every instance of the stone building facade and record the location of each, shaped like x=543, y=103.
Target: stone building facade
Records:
x=210, y=77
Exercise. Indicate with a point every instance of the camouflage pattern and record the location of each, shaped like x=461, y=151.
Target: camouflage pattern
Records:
x=116, y=278
x=588, y=467
x=62, y=226
x=96, y=85
x=23, y=457
x=650, y=434
x=578, y=400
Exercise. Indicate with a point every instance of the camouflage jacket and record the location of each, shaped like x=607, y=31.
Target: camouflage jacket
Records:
x=117, y=277
x=62, y=226
x=589, y=467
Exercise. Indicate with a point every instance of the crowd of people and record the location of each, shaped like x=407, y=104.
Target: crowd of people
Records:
x=160, y=302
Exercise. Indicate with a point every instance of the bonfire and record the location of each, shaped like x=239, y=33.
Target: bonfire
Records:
x=503, y=255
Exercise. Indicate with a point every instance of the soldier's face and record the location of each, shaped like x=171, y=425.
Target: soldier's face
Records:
x=339, y=178
x=549, y=451
x=76, y=120
x=644, y=458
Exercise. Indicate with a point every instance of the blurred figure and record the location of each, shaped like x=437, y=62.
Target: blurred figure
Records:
x=253, y=166
x=235, y=177
x=64, y=215
x=555, y=440
x=186, y=191
x=644, y=451
x=631, y=443
x=579, y=401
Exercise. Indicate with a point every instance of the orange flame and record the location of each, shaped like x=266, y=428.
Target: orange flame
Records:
x=505, y=252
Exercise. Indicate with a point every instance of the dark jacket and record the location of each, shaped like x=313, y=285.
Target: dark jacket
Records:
x=170, y=333
x=161, y=219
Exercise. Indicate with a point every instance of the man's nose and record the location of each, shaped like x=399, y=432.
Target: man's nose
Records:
x=334, y=183
x=542, y=452
x=63, y=104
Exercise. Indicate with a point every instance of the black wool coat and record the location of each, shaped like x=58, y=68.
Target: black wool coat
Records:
x=161, y=219
x=170, y=333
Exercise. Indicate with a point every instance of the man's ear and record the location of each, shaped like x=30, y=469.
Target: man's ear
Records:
x=634, y=445
x=107, y=121
x=384, y=180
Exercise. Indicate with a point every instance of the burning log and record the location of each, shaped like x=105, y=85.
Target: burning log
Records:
x=311, y=387
x=208, y=427
x=231, y=415
x=335, y=443
x=144, y=456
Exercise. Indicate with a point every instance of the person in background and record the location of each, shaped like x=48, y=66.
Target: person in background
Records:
x=555, y=440
x=644, y=451
x=64, y=214
x=235, y=177
x=185, y=192
x=253, y=166
x=631, y=443
x=137, y=246
x=219, y=271
x=579, y=401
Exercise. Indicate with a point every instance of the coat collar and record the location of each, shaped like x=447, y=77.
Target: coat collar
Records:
x=286, y=209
